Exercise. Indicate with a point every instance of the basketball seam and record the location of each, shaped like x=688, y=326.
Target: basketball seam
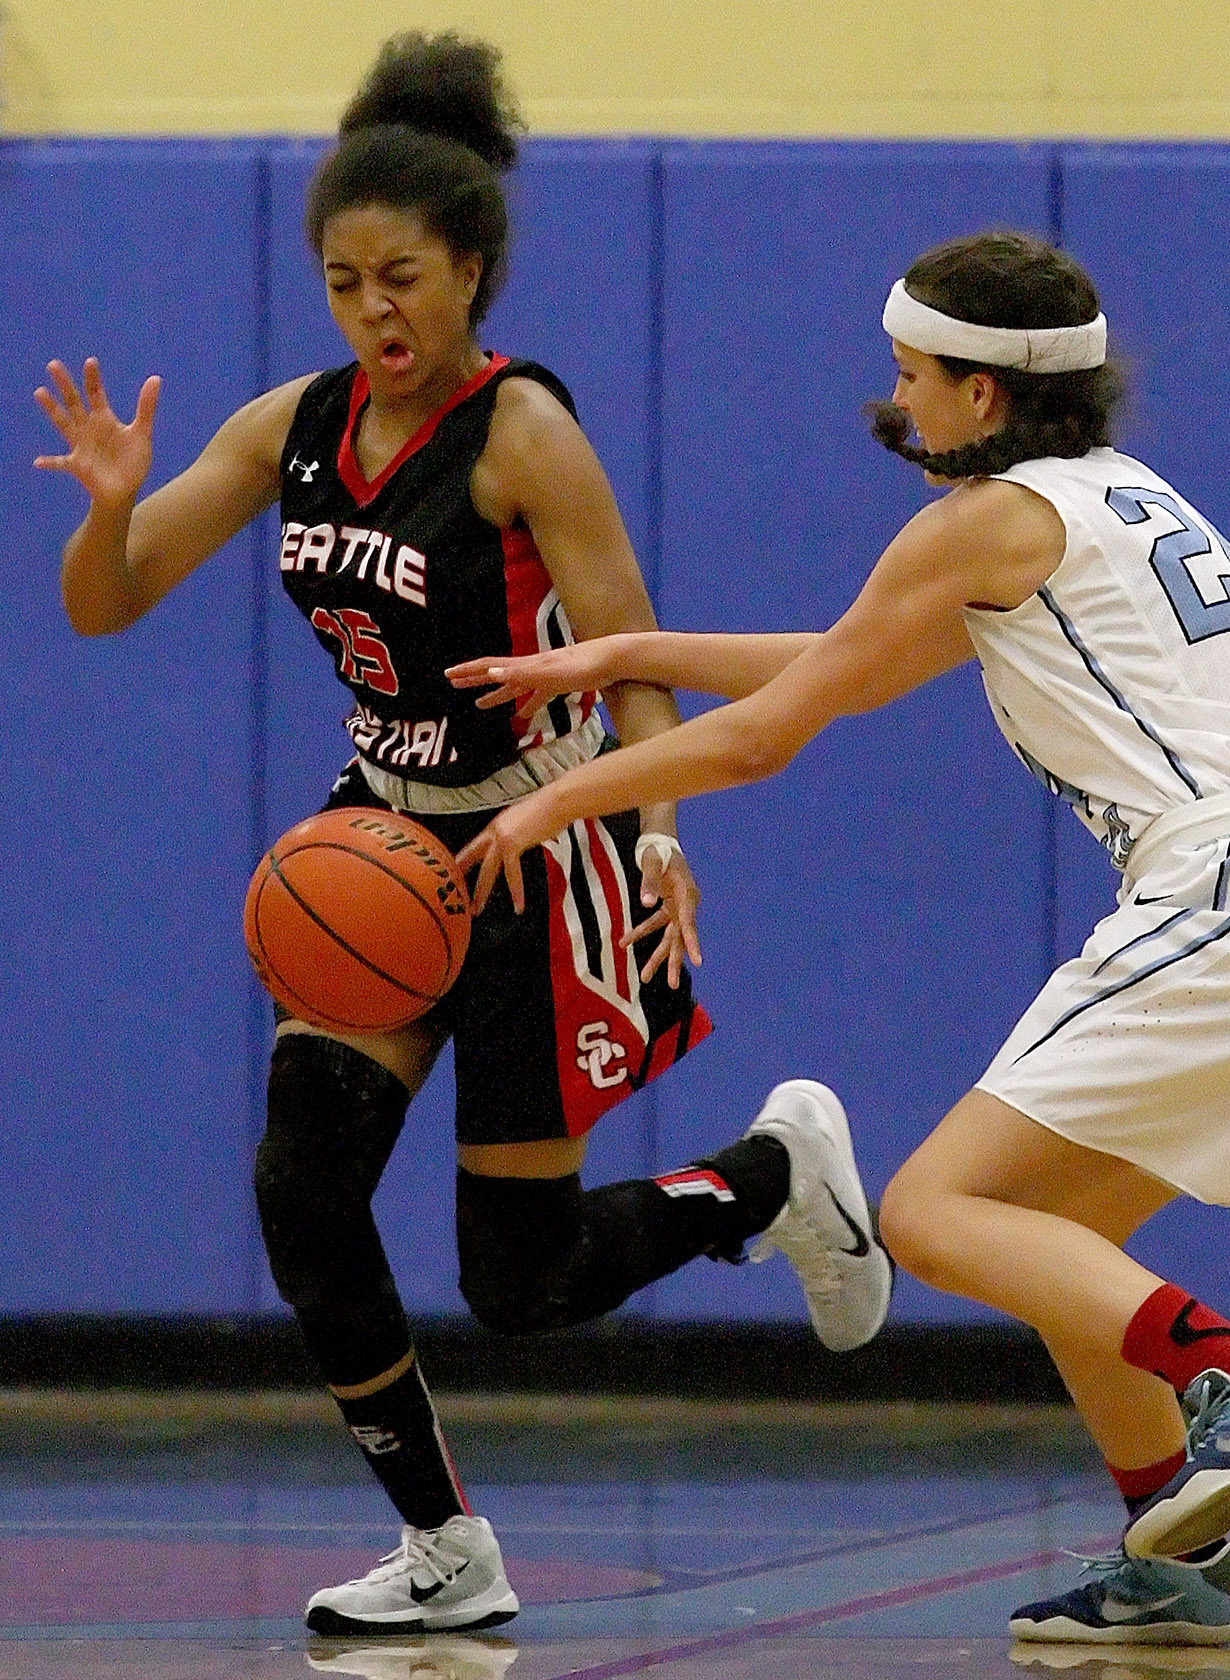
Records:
x=310, y=1013
x=400, y=985
x=357, y=851
x=292, y=991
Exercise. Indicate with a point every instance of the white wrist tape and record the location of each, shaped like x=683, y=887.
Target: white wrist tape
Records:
x=663, y=846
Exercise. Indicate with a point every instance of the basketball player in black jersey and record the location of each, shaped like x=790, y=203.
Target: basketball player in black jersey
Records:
x=439, y=501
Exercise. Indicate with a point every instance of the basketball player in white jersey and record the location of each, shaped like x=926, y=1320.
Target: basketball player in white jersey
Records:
x=1098, y=603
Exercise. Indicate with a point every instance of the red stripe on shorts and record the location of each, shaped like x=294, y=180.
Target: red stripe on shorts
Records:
x=675, y=1042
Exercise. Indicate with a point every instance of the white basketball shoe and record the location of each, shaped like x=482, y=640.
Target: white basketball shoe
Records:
x=825, y=1230
x=449, y=1577
x=439, y=1656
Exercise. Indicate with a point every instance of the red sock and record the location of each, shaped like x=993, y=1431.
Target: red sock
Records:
x=1137, y=1485
x=1176, y=1338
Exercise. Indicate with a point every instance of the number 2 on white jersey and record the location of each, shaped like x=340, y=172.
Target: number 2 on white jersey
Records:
x=1192, y=563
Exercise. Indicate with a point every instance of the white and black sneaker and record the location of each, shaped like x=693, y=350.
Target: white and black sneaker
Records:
x=449, y=1577
x=451, y=1656
x=826, y=1229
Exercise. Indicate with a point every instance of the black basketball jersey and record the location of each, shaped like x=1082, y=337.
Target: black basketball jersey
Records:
x=401, y=578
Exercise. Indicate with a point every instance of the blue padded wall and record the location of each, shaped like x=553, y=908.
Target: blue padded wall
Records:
x=126, y=818
x=877, y=916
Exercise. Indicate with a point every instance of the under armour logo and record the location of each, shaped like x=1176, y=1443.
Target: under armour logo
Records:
x=596, y=1052
x=305, y=472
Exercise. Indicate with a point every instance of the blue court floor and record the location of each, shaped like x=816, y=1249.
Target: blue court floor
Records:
x=178, y=1537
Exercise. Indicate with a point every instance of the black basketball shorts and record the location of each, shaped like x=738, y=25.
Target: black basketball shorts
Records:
x=550, y=1021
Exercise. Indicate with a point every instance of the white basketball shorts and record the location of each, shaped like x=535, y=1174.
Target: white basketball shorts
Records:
x=1126, y=1049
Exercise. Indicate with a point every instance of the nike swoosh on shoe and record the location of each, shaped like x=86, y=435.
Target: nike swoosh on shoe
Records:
x=421, y=1595
x=1114, y=1610
x=861, y=1244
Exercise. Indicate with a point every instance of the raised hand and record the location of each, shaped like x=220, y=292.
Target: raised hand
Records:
x=534, y=678
x=111, y=459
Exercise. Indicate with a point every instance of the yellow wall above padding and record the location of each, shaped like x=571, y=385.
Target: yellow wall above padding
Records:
x=996, y=68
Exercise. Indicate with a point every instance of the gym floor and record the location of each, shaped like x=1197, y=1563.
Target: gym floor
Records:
x=177, y=1537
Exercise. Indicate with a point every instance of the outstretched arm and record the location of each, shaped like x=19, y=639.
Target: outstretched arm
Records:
x=905, y=627
x=733, y=666
x=987, y=543
x=127, y=555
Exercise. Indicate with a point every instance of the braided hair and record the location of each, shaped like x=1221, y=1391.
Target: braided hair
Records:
x=430, y=131
x=1010, y=280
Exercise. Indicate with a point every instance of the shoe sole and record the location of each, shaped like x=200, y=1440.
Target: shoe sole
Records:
x=1194, y=1515
x=1062, y=1630
x=325, y=1621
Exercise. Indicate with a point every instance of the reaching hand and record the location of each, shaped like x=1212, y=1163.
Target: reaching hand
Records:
x=110, y=458
x=497, y=851
x=534, y=678
x=677, y=896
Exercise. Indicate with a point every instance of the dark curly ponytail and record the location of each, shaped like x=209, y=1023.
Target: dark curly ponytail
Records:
x=1010, y=280
x=430, y=131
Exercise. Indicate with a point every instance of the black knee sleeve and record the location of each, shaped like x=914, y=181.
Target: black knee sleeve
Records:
x=512, y=1234
x=333, y=1118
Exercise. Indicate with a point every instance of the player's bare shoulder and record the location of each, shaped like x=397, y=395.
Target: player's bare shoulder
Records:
x=1005, y=537
x=530, y=437
x=522, y=404
x=260, y=428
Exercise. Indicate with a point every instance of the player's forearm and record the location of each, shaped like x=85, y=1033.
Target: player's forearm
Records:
x=640, y=711
x=96, y=581
x=718, y=750
x=732, y=666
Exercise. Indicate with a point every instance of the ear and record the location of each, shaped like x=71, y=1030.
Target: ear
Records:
x=986, y=397
x=470, y=272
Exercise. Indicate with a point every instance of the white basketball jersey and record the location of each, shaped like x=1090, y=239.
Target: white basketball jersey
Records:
x=1112, y=682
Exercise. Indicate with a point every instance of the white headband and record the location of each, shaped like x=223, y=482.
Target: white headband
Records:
x=1033, y=349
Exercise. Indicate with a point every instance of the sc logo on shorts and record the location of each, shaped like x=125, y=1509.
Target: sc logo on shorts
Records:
x=596, y=1052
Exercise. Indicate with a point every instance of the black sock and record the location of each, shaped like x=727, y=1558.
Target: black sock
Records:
x=757, y=1170
x=400, y=1437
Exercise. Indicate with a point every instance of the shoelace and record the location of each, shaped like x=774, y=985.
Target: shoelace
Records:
x=1104, y=1566
x=1101, y=1565
x=1209, y=1406
x=823, y=1278
x=418, y=1550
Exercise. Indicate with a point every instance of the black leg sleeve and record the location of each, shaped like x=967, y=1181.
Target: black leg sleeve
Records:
x=334, y=1116
x=540, y=1254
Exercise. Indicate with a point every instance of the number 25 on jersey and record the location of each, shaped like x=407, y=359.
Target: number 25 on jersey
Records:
x=363, y=657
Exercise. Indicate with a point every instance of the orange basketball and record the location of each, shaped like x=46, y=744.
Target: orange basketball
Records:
x=357, y=920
